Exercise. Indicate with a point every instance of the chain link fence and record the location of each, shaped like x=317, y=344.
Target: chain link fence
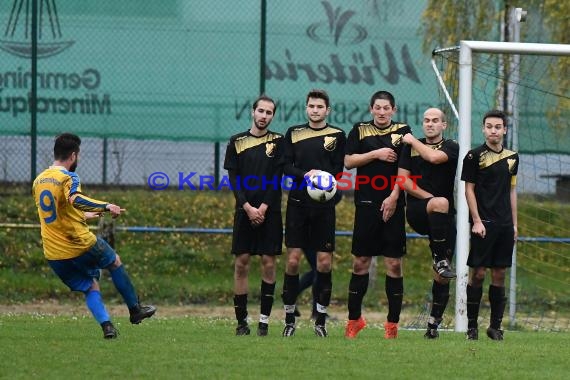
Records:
x=161, y=86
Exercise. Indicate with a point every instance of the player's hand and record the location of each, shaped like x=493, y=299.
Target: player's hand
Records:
x=516, y=232
x=310, y=173
x=256, y=217
x=388, y=208
x=386, y=154
x=115, y=210
x=408, y=138
x=479, y=229
x=92, y=215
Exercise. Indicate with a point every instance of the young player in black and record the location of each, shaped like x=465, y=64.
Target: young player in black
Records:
x=432, y=162
x=309, y=224
x=374, y=148
x=489, y=172
x=254, y=160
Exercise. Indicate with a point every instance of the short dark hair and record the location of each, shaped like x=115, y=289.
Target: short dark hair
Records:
x=265, y=98
x=496, y=113
x=65, y=144
x=318, y=94
x=383, y=95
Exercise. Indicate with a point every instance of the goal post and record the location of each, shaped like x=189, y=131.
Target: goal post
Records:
x=466, y=50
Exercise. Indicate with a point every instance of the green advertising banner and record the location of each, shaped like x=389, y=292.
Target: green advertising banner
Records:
x=185, y=70
x=190, y=69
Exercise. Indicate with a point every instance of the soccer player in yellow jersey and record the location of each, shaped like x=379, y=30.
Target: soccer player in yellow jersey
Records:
x=74, y=253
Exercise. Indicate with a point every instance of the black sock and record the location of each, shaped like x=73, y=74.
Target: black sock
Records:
x=356, y=290
x=395, y=294
x=240, y=308
x=473, y=302
x=290, y=291
x=438, y=243
x=498, y=303
x=324, y=289
x=440, y=295
x=267, y=297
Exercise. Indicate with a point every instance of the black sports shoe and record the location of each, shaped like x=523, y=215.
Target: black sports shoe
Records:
x=444, y=269
x=140, y=312
x=472, y=333
x=242, y=329
x=109, y=331
x=431, y=333
x=289, y=330
x=262, y=329
x=321, y=331
x=495, y=334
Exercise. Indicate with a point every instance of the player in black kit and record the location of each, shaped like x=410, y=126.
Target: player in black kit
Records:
x=374, y=148
x=432, y=161
x=490, y=175
x=254, y=160
x=310, y=147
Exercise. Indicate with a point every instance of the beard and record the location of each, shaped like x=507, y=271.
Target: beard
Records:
x=73, y=166
x=262, y=126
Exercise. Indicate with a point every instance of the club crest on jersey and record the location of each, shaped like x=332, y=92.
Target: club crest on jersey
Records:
x=330, y=143
x=511, y=163
x=270, y=149
x=396, y=139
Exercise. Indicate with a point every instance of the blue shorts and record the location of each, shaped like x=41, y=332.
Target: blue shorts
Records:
x=78, y=273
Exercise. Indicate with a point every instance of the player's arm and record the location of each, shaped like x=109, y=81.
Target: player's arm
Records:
x=357, y=160
x=339, y=154
x=289, y=168
x=514, y=205
x=390, y=203
x=478, y=227
x=253, y=213
x=273, y=189
x=239, y=193
x=87, y=204
x=432, y=156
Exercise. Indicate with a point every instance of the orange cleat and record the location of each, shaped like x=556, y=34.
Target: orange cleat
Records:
x=390, y=330
x=353, y=327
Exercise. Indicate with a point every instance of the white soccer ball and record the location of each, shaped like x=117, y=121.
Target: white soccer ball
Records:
x=321, y=186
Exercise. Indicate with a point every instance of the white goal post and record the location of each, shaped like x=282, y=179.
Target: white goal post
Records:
x=466, y=50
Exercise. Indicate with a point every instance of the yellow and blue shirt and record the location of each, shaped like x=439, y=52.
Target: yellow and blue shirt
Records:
x=64, y=230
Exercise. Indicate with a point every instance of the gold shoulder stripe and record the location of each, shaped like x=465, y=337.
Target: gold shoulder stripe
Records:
x=247, y=142
x=307, y=133
x=489, y=158
x=367, y=130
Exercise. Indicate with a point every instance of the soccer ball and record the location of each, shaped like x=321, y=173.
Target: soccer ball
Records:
x=321, y=186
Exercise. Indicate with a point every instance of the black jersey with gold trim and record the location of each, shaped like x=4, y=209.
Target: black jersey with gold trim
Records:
x=437, y=179
x=257, y=167
x=365, y=137
x=493, y=173
x=307, y=148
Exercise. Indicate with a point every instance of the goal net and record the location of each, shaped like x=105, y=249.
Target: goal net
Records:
x=531, y=83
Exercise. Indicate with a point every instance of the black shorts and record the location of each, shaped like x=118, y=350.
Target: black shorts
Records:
x=417, y=216
x=495, y=250
x=266, y=239
x=373, y=237
x=310, y=227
